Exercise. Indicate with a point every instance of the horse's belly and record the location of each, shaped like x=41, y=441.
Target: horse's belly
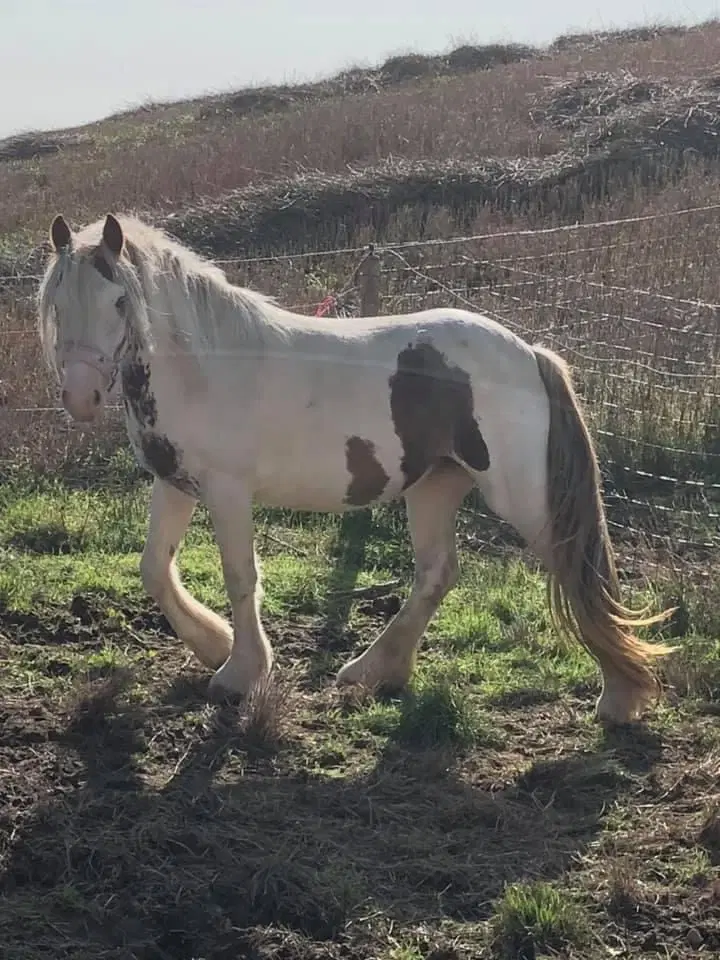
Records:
x=350, y=476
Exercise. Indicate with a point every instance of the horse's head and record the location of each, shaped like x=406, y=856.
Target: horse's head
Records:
x=83, y=315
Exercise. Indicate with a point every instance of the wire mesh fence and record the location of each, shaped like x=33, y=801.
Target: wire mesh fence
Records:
x=631, y=304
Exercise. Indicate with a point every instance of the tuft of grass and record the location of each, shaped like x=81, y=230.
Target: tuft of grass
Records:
x=267, y=714
x=403, y=953
x=694, y=671
x=437, y=711
x=624, y=893
x=532, y=917
x=316, y=898
x=573, y=782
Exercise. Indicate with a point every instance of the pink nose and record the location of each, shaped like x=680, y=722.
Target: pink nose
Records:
x=81, y=394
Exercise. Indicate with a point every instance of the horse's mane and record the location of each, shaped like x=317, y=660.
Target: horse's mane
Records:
x=199, y=306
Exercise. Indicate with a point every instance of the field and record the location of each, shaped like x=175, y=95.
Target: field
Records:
x=481, y=814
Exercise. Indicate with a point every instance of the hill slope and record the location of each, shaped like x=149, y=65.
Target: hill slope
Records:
x=526, y=130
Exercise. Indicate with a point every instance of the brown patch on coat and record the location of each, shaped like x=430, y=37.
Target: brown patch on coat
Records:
x=432, y=409
x=163, y=459
x=368, y=476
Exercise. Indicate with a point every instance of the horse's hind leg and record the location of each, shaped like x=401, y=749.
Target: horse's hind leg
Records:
x=208, y=635
x=432, y=506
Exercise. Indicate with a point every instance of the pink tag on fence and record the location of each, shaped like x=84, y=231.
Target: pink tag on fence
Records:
x=323, y=307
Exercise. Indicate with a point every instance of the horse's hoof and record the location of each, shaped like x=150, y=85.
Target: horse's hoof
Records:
x=218, y=693
x=351, y=675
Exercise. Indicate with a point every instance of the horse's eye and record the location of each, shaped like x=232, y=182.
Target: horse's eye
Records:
x=121, y=303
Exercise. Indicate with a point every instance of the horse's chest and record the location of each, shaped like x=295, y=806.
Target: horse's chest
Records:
x=138, y=393
x=154, y=448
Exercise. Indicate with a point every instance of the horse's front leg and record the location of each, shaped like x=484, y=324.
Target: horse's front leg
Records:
x=208, y=635
x=230, y=505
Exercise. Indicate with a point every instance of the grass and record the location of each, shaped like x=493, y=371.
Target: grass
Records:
x=438, y=711
x=535, y=917
x=479, y=813
x=204, y=148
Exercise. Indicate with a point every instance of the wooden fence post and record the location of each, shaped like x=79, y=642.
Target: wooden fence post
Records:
x=368, y=276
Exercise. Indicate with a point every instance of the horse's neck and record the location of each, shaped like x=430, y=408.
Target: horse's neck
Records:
x=136, y=350
x=231, y=320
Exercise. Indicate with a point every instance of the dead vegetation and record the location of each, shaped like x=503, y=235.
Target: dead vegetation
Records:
x=394, y=71
x=604, y=110
x=157, y=826
x=187, y=154
x=33, y=145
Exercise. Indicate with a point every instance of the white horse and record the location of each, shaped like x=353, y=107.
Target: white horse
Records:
x=229, y=398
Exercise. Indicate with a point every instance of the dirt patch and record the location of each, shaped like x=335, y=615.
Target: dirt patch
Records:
x=138, y=821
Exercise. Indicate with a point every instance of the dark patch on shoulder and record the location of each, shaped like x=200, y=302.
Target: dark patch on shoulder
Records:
x=432, y=408
x=103, y=267
x=138, y=393
x=163, y=459
x=368, y=477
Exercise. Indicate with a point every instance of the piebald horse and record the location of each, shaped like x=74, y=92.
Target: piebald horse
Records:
x=230, y=399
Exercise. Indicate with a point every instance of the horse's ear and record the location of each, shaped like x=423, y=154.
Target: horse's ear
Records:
x=113, y=235
x=60, y=234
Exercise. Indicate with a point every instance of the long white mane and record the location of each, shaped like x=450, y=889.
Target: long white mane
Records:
x=172, y=293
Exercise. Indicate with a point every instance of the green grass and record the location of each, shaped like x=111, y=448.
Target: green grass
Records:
x=438, y=710
x=492, y=633
x=533, y=918
x=312, y=818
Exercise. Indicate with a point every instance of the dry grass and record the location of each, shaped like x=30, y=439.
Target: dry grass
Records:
x=185, y=152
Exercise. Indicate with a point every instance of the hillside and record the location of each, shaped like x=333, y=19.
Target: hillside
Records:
x=528, y=131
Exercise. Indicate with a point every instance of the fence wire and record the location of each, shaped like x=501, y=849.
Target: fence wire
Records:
x=634, y=310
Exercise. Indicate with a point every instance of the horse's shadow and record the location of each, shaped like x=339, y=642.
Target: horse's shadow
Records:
x=347, y=561
x=175, y=840
x=352, y=553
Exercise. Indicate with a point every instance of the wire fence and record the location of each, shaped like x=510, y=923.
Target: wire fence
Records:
x=631, y=303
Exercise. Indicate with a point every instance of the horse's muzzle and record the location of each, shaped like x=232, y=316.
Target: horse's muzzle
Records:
x=83, y=392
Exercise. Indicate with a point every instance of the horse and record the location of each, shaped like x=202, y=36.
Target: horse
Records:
x=230, y=399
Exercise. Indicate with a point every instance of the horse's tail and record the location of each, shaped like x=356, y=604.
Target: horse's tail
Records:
x=583, y=585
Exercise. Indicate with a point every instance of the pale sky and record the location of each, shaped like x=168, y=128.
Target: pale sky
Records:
x=67, y=62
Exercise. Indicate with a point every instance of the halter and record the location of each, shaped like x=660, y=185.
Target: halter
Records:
x=107, y=367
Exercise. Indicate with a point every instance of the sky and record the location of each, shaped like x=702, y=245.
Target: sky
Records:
x=68, y=62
